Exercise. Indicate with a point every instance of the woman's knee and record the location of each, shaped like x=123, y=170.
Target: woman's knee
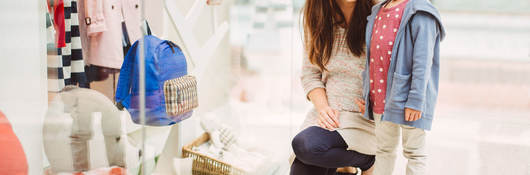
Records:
x=299, y=144
x=305, y=142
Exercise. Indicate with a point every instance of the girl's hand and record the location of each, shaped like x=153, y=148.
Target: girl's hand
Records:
x=328, y=118
x=362, y=105
x=412, y=115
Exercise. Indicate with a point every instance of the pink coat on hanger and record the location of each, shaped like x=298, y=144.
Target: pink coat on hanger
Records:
x=101, y=31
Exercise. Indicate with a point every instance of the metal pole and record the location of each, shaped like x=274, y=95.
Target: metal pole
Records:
x=142, y=90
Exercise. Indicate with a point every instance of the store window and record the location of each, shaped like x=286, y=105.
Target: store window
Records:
x=207, y=71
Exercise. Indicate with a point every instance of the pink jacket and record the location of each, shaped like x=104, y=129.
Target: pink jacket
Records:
x=101, y=31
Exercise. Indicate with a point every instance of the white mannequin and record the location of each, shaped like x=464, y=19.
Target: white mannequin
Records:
x=83, y=130
x=56, y=132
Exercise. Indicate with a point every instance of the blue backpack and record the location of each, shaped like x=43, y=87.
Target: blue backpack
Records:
x=164, y=62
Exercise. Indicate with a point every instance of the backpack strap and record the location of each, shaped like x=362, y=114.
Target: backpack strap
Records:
x=125, y=80
x=147, y=28
x=172, y=46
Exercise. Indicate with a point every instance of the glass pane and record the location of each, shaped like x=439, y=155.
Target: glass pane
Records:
x=86, y=128
x=214, y=87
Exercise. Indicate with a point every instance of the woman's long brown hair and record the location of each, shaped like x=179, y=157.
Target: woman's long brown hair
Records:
x=320, y=19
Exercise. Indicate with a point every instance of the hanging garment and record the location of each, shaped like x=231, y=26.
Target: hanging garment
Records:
x=77, y=64
x=101, y=31
x=164, y=65
x=65, y=64
x=54, y=61
x=13, y=159
x=56, y=7
x=98, y=73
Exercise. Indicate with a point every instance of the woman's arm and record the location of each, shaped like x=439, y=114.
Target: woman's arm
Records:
x=318, y=97
x=315, y=91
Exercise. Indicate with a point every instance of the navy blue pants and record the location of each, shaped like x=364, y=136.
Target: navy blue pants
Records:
x=320, y=152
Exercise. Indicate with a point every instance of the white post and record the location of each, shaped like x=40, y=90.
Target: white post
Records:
x=199, y=57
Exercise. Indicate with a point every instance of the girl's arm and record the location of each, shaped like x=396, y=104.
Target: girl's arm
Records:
x=425, y=34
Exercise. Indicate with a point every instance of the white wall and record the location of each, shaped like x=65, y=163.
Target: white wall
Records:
x=23, y=97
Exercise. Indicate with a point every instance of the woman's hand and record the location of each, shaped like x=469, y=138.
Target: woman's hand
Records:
x=362, y=105
x=328, y=118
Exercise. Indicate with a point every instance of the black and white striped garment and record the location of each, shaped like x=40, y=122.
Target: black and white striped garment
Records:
x=66, y=66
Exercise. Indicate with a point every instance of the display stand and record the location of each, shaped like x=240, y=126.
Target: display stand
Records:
x=199, y=56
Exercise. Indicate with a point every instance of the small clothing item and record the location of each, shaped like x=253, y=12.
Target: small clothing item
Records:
x=343, y=84
x=57, y=9
x=66, y=65
x=13, y=159
x=413, y=142
x=323, y=150
x=101, y=31
x=384, y=33
x=413, y=73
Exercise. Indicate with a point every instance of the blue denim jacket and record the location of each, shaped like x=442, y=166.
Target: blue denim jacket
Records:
x=412, y=80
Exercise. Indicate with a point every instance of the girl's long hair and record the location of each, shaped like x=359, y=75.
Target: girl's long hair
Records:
x=319, y=20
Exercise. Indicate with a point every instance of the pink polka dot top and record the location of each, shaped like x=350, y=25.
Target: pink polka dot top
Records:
x=384, y=33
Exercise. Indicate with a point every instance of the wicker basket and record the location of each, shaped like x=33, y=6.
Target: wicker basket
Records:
x=204, y=165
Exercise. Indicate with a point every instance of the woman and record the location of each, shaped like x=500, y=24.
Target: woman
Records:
x=335, y=133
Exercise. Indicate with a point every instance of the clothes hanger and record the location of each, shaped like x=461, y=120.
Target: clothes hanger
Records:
x=199, y=55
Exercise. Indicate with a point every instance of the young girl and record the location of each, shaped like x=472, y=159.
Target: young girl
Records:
x=335, y=133
x=401, y=80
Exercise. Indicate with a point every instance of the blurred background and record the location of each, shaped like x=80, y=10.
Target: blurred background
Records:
x=482, y=120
